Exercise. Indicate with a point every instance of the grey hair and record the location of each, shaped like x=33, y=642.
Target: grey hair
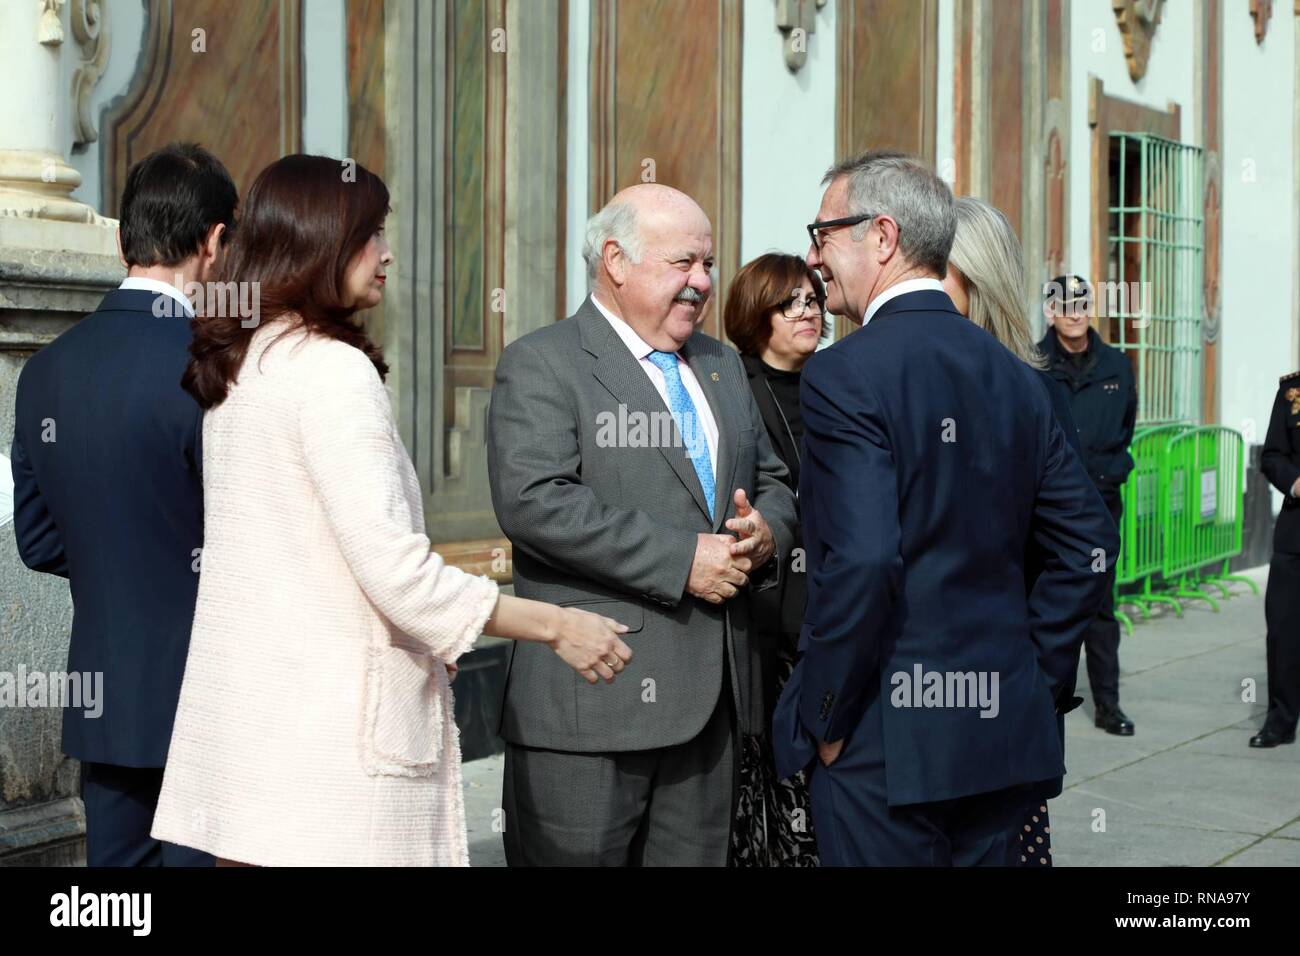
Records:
x=616, y=221
x=987, y=254
x=909, y=192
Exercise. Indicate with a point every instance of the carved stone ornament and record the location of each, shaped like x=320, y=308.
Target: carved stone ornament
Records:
x=1260, y=12
x=1137, y=20
x=797, y=19
x=90, y=27
x=49, y=29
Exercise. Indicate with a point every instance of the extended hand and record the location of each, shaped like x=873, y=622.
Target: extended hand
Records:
x=590, y=644
x=756, y=541
x=716, y=574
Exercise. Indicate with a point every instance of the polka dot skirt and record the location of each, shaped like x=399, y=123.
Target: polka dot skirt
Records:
x=1036, y=838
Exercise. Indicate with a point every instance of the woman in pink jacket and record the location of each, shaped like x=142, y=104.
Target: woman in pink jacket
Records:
x=315, y=722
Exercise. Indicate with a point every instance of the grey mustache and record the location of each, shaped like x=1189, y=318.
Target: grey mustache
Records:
x=689, y=295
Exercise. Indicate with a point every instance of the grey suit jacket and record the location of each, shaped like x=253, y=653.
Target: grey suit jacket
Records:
x=601, y=518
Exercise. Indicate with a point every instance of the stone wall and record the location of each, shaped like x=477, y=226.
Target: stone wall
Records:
x=42, y=292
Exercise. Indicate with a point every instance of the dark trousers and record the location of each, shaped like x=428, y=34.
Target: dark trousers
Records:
x=1101, y=641
x=1282, y=613
x=671, y=806
x=857, y=827
x=120, y=804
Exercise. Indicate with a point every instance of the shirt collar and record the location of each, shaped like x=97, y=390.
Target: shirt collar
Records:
x=635, y=344
x=143, y=284
x=902, y=288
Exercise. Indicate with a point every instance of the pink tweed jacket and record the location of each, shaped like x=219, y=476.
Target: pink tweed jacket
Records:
x=315, y=718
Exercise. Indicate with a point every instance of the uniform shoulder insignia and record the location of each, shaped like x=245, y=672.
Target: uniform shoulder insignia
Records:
x=1291, y=394
x=1289, y=376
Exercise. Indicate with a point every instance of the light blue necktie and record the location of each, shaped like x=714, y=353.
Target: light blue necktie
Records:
x=688, y=422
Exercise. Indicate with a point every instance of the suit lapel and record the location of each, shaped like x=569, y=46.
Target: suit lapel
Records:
x=782, y=441
x=623, y=377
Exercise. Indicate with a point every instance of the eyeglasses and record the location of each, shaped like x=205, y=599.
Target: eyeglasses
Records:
x=815, y=227
x=795, y=307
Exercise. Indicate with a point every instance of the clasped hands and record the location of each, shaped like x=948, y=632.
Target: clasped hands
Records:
x=722, y=562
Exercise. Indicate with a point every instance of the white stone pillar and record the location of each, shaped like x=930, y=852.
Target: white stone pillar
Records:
x=36, y=182
x=34, y=178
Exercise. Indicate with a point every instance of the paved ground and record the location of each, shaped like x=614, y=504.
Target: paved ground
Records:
x=1184, y=791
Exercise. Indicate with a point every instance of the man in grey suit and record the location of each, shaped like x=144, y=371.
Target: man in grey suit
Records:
x=632, y=473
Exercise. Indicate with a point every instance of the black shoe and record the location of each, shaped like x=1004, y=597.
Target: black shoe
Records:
x=1271, y=738
x=1113, y=721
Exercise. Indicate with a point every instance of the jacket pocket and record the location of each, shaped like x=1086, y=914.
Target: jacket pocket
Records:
x=404, y=715
x=589, y=707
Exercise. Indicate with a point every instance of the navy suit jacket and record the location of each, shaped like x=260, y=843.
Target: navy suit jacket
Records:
x=932, y=461
x=108, y=493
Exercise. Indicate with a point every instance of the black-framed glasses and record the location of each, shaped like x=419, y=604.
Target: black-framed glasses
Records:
x=815, y=227
x=795, y=307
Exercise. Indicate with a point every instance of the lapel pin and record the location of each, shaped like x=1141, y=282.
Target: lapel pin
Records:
x=713, y=375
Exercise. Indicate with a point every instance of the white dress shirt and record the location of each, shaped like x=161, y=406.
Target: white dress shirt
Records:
x=641, y=351
x=6, y=491
x=902, y=288
x=162, y=288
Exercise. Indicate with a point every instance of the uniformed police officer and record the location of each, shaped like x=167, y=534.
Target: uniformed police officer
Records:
x=1280, y=463
x=1103, y=400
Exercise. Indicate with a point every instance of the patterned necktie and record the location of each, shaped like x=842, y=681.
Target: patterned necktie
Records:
x=688, y=422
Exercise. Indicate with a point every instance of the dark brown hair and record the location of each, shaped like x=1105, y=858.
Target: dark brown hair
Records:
x=761, y=285
x=172, y=199
x=304, y=220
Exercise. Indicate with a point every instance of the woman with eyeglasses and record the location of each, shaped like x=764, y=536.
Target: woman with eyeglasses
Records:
x=774, y=316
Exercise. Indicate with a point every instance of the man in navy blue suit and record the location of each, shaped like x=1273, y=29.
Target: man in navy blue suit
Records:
x=108, y=493
x=927, y=695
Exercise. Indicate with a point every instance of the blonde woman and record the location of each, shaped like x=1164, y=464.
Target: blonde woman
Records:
x=986, y=281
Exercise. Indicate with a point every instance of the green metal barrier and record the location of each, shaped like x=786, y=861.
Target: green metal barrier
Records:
x=1141, y=552
x=1201, y=505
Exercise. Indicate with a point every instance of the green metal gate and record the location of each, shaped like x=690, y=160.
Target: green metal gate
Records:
x=1152, y=294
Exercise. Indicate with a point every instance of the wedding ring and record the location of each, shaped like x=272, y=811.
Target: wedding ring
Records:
x=613, y=663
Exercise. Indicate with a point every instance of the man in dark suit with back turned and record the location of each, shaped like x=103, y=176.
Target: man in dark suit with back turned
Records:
x=108, y=493
x=928, y=691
